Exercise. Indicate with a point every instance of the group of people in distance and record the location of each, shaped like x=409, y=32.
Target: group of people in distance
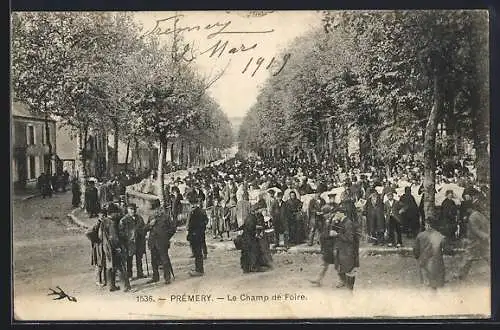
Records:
x=263, y=202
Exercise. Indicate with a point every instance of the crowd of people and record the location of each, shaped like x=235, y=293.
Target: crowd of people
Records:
x=48, y=184
x=287, y=202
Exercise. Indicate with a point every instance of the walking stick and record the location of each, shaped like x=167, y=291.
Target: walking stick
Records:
x=146, y=257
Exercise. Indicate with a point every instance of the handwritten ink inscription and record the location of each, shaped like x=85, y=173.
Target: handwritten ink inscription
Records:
x=189, y=52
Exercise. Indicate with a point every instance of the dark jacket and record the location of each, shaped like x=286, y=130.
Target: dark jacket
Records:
x=108, y=234
x=314, y=211
x=197, y=223
x=278, y=215
x=392, y=211
x=132, y=234
x=344, y=247
x=375, y=215
x=161, y=229
x=177, y=205
x=410, y=211
x=91, y=200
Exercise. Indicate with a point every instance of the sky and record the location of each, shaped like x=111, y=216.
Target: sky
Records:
x=266, y=36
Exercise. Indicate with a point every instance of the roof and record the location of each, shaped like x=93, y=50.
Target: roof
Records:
x=22, y=110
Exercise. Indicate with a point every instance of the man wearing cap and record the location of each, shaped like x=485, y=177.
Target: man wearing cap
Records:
x=132, y=232
x=161, y=228
x=477, y=241
x=196, y=237
x=345, y=255
x=428, y=249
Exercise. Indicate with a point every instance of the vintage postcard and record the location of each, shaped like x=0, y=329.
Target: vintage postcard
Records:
x=214, y=165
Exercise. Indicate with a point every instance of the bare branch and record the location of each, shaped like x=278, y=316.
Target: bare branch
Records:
x=217, y=77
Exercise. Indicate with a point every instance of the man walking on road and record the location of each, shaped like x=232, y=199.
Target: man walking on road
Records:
x=196, y=236
x=428, y=249
x=161, y=228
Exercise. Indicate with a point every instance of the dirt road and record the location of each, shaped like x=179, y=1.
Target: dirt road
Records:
x=50, y=251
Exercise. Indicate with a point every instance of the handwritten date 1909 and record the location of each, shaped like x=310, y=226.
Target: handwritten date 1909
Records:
x=261, y=60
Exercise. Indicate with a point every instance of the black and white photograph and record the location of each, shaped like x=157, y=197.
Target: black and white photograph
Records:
x=244, y=165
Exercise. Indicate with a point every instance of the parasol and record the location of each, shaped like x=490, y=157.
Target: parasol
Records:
x=337, y=191
x=441, y=193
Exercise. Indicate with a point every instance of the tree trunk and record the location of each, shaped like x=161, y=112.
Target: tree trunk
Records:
x=160, y=176
x=181, y=154
x=138, y=158
x=80, y=165
x=106, y=150
x=481, y=93
x=115, y=151
x=84, y=149
x=172, y=152
x=430, y=149
x=188, y=153
x=48, y=162
x=126, y=155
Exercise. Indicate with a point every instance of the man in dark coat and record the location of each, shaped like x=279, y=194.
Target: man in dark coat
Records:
x=76, y=193
x=448, y=219
x=409, y=214
x=91, y=200
x=393, y=220
x=108, y=234
x=278, y=218
x=161, y=228
x=428, y=249
x=293, y=208
x=196, y=236
x=327, y=243
x=374, y=212
x=132, y=234
x=345, y=254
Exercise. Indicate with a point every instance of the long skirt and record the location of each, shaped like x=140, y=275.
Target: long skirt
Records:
x=249, y=254
x=264, y=258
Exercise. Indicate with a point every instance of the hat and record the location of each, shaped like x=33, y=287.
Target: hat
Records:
x=112, y=208
x=431, y=221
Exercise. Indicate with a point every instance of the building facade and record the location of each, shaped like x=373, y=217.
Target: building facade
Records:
x=30, y=146
x=94, y=151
